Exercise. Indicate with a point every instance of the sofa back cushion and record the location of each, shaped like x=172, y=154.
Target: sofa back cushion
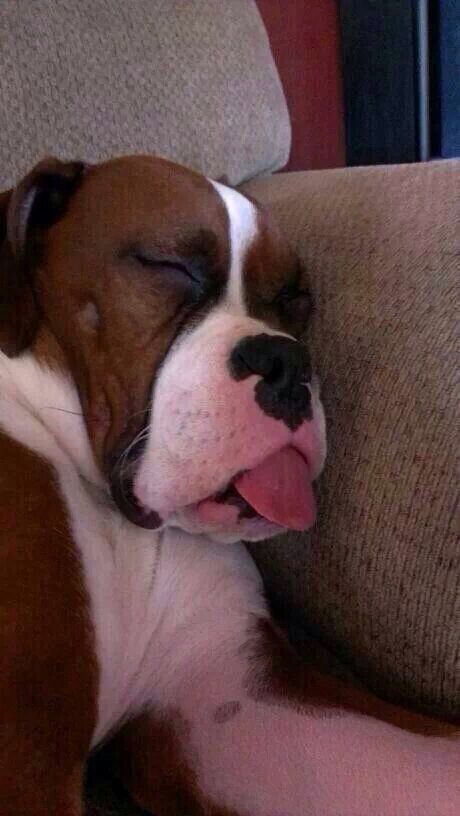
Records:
x=194, y=81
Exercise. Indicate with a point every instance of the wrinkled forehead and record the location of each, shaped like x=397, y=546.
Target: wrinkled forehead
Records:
x=148, y=200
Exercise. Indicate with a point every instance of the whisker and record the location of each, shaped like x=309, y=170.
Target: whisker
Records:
x=140, y=436
x=137, y=413
x=123, y=458
x=63, y=410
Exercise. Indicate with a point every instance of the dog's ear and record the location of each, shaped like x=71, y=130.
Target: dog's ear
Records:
x=37, y=202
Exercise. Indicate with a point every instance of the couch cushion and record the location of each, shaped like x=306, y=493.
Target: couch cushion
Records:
x=379, y=578
x=194, y=81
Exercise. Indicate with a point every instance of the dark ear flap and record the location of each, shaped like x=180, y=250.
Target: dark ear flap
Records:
x=38, y=201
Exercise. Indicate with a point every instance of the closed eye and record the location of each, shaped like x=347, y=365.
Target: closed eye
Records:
x=160, y=263
x=291, y=293
x=295, y=303
x=165, y=265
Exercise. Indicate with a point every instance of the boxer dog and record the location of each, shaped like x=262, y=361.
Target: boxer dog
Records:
x=157, y=407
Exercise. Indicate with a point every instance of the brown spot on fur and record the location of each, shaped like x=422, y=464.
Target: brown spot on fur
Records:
x=154, y=760
x=48, y=669
x=227, y=711
x=277, y=674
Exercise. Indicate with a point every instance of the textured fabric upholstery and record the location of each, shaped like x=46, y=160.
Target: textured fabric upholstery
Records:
x=194, y=81
x=379, y=578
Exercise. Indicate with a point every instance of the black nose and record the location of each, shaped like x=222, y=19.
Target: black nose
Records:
x=284, y=367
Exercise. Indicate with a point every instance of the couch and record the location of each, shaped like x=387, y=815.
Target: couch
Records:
x=377, y=582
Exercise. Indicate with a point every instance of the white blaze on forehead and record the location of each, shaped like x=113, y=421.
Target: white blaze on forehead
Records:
x=242, y=218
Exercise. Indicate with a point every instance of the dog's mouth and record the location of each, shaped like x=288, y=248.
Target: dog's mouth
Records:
x=123, y=496
x=279, y=491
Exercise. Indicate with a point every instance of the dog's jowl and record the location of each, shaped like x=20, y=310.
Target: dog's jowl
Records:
x=157, y=407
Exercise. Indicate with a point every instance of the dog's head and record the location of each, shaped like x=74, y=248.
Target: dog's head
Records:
x=177, y=310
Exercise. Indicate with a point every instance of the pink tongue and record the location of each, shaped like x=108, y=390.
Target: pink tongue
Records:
x=280, y=489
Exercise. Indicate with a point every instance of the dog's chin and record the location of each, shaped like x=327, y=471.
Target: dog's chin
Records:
x=232, y=522
x=228, y=529
x=244, y=529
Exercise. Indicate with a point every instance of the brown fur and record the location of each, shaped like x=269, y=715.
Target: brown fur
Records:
x=276, y=285
x=48, y=671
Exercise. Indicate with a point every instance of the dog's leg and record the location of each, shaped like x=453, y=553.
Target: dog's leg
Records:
x=248, y=729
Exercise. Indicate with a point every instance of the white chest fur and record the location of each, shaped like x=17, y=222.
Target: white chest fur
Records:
x=120, y=565
x=156, y=599
x=158, y=602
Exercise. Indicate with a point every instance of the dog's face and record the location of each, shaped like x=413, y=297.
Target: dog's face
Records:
x=176, y=308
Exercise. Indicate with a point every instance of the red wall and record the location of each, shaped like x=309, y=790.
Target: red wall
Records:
x=305, y=40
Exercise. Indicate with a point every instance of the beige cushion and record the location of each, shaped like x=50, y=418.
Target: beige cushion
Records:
x=379, y=578
x=191, y=80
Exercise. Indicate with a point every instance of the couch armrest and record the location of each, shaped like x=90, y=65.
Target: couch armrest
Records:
x=378, y=580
